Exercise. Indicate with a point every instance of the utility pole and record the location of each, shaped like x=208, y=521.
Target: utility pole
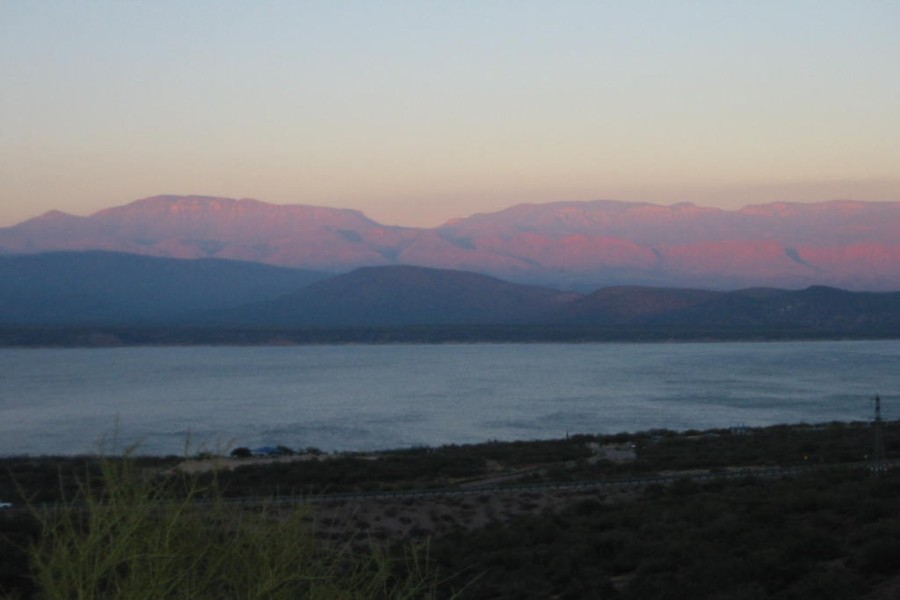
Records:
x=879, y=460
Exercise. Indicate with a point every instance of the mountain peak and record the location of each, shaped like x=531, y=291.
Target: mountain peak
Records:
x=402, y=295
x=56, y=214
x=52, y=216
x=165, y=202
x=214, y=206
x=573, y=245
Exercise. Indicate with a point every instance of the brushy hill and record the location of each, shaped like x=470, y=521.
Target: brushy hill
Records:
x=66, y=288
x=403, y=295
x=202, y=301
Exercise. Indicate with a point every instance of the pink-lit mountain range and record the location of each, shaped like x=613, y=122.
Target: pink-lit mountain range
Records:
x=566, y=245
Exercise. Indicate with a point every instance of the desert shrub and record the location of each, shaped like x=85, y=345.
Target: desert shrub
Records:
x=879, y=555
x=17, y=531
x=142, y=537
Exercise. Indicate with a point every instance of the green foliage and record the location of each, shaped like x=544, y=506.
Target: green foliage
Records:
x=141, y=537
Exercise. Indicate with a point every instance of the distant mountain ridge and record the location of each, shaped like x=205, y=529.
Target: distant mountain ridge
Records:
x=402, y=296
x=813, y=309
x=102, y=289
x=564, y=245
x=87, y=288
x=205, y=227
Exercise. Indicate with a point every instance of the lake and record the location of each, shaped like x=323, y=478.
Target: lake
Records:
x=362, y=397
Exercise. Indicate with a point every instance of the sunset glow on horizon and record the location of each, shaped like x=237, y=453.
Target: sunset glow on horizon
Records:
x=418, y=113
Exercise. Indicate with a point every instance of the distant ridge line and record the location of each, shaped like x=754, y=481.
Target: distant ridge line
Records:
x=576, y=246
x=82, y=291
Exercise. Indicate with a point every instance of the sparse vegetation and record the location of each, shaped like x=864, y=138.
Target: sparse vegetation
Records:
x=818, y=534
x=129, y=535
x=830, y=536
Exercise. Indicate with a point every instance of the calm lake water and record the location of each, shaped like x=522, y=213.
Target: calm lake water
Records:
x=359, y=397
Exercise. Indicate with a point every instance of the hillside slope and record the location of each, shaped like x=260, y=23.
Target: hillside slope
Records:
x=402, y=296
x=83, y=288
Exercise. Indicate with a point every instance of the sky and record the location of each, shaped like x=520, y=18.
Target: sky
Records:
x=418, y=112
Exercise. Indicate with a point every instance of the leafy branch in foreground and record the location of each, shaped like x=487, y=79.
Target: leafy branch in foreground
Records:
x=137, y=536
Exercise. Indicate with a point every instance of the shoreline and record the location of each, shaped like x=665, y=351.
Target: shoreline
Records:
x=125, y=336
x=615, y=451
x=231, y=462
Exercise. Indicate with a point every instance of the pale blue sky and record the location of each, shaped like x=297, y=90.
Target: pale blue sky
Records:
x=416, y=112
